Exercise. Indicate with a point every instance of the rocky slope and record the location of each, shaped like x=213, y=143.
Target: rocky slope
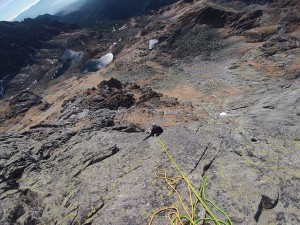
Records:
x=20, y=42
x=223, y=82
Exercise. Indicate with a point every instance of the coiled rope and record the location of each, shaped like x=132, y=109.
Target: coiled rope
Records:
x=174, y=216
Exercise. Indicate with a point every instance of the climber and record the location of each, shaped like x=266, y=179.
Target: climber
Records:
x=154, y=131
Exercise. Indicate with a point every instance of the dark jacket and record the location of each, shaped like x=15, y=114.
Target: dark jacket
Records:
x=155, y=131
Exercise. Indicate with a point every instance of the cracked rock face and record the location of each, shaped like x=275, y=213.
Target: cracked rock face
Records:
x=46, y=170
x=74, y=153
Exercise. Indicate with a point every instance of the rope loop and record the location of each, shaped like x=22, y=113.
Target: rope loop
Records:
x=174, y=216
x=162, y=174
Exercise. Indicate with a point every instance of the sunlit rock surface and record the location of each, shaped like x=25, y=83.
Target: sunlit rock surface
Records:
x=222, y=83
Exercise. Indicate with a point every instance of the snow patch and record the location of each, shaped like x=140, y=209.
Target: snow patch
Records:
x=67, y=59
x=71, y=55
x=106, y=59
x=152, y=43
x=96, y=64
x=223, y=114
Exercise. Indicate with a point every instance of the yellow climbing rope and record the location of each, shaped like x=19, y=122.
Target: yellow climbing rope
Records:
x=174, y=215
